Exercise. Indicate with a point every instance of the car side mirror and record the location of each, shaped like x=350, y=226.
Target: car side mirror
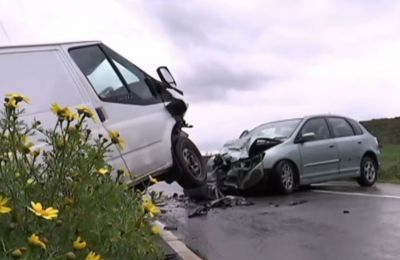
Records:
x=306, y=137
x=166, y=76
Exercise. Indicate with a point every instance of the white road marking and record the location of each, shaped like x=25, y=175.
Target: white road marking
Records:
x=359, y=194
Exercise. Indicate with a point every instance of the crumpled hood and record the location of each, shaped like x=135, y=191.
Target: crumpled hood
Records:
x=239, y=148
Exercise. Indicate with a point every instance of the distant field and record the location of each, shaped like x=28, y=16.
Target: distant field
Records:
x=390, y=171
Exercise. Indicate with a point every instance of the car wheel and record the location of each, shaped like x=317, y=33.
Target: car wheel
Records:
x=368, y=172
x=285, y=174
x=189, y=167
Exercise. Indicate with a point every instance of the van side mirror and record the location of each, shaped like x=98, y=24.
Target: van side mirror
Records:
x=166, y=76
x=306, y=137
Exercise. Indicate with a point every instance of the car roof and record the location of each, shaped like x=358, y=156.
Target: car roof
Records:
x=325, y=115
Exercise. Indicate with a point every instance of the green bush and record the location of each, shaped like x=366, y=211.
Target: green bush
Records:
x=61, y=202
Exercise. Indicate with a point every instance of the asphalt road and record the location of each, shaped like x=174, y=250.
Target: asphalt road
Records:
x=336, y=221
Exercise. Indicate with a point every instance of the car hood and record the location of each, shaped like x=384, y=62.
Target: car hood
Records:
x=247, y=147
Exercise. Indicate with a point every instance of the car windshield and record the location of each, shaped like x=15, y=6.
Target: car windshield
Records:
x=276, y=130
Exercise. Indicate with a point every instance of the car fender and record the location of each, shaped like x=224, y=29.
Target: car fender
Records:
x=284, y=151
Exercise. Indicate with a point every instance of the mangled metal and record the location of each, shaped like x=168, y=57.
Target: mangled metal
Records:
x=242, y=164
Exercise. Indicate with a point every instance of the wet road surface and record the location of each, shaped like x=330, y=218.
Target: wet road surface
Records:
x=337, y=221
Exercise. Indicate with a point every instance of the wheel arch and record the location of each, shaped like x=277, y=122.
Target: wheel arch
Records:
x=373, y=156
x=296, y=168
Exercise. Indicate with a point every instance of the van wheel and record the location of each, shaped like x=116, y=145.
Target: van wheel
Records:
x=368, y=172
x=190, y=170
x=285, y=176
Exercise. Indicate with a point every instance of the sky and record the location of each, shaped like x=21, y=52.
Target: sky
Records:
x=240, y=63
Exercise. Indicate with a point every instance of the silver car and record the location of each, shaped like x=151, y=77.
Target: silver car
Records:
x=296, y=152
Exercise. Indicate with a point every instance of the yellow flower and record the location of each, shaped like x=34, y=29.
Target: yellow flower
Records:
x=35, y=240
x=49, y=213
x=155, y=230
x=79, y=243
x=150, y=208
x=103, y=171
x=116, y=139
x=124, y=172
x=36, y=153
x=82, y=110
x=93, y=256
x=56, y=109
x=3, y=205
x=153, y=180
x=11, y=103
x=14, y=99
x=18, y=97
x=63, y=113
x=26, y=144
x=69, y=114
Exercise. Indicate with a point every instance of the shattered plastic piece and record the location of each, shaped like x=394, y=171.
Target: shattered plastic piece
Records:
x=200, y=211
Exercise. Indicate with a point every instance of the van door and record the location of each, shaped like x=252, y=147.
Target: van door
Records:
x=125, y=103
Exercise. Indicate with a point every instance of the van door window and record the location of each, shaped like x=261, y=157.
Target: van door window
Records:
x=113, y=77
x=98, y=70
x=134, y=78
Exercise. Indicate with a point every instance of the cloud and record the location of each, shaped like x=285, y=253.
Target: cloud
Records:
x=240, y=63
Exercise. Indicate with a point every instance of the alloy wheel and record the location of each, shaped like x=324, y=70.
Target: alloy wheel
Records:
x=287, y=177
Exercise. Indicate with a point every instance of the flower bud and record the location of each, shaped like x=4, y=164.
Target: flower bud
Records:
x=17, y=253
x=70, y=255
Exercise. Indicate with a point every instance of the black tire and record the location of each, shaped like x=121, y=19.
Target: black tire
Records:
x=368, y=172
x=189, y=167
x=285, y=177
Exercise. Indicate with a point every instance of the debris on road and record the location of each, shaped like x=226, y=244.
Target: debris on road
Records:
x=294, y=203
x=346, y=211
x=223, y=202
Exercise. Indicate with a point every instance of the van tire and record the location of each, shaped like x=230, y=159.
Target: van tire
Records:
x=189, y=167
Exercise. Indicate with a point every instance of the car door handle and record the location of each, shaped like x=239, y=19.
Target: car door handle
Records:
x=359, y=142
x=331, y=146
x=100, y=113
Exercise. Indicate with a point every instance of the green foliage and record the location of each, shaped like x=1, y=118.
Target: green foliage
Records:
x=390, y=170
x=387, y=130
x=70, y=176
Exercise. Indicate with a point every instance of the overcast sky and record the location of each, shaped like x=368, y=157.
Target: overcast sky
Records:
x=240, y=63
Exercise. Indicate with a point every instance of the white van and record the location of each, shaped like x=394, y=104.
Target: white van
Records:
x=147, y=114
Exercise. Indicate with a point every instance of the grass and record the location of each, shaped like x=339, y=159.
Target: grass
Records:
x=390, y=168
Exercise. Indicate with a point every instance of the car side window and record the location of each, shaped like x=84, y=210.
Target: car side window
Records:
x=318, y=126
x=356, y=127
x=340, y=127
x=94, y=65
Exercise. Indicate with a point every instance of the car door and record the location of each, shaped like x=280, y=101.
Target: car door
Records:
x=125, y=103
x=319, y=155
x=348, y=144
